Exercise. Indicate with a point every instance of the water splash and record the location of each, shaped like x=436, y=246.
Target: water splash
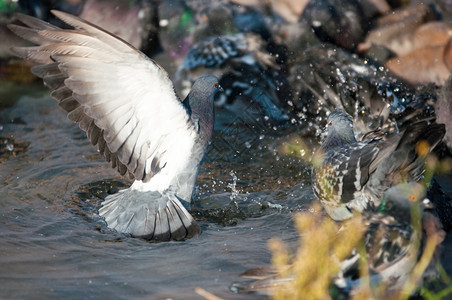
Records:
x=232, y=186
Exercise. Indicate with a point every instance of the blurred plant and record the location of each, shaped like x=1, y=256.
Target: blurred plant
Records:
x=322, y=247
x=8, y=6
x=295, y=146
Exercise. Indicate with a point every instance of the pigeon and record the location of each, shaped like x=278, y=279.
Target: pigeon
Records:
x=326, y=77
x=246, y=71
x=340, y=22
x=350, y=176
x=393, y=240
x=127, y=105
x=184, y=23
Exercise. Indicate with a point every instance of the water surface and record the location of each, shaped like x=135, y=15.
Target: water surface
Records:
x=53, y=244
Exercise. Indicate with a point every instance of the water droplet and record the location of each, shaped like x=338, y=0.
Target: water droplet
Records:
x=163, y=23
x=232, y=186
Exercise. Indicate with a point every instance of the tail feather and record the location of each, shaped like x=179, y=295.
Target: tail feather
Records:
x=162, y=228
x=177, y=227
x=187, y=220
x=149, y=215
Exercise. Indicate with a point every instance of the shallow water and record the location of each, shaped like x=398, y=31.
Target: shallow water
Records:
x=53, y=245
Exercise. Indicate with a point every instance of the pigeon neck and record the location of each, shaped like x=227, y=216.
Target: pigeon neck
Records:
x=201, y=113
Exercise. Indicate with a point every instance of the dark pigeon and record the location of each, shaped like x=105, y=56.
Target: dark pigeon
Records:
x=246, y=71
x=350, y=176
x=340, y=22
x=326, y=77
x=127, y=105
x=393, y=241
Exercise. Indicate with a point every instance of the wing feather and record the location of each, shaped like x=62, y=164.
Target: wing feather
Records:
x=34, y=22
x=62, y=93
x=85, y=123
x=69, y=104
x=46, y=70
x=123, y=100
x=76, y=115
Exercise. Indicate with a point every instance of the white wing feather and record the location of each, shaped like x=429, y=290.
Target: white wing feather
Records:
x=123, y=99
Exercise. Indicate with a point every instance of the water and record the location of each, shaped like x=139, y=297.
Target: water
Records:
x=53, y=244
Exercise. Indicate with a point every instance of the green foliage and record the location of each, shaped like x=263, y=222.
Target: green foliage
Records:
x=8, y=6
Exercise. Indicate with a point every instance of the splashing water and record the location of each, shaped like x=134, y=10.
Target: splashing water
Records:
x=232, y=186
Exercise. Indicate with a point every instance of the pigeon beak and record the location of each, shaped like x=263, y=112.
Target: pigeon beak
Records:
x=220, y=89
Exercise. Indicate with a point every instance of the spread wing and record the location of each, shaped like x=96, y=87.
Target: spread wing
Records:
x=123, y=100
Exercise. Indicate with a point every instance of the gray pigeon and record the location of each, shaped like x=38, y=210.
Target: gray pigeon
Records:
x=127, y=105
x=350, y=176
x=394, y=241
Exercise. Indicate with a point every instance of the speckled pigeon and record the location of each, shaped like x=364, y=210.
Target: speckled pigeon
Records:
x=393, y=241
x=246, y=71
x=350, y=176
x=184, y=23
x=128, y=107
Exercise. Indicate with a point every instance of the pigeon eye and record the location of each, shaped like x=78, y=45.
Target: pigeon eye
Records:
x=216, y=84
x=330, y=124
x=412, y=197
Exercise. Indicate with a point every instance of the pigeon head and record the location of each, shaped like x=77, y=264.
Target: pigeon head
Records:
x=204, y=90
x=340, y=129
x=214, y=20
x=398, y=201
